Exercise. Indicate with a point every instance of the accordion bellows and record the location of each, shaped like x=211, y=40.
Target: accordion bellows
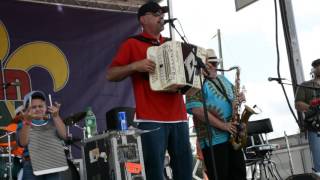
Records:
x=175, y=67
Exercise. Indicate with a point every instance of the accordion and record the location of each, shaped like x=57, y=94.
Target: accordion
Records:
x=175, y=67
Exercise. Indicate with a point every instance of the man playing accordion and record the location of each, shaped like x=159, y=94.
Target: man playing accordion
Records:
x=163, y=111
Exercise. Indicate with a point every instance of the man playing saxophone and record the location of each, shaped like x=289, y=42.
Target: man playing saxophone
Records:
x=219, y=95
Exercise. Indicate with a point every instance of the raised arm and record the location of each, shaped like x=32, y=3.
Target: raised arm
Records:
x=58, y=122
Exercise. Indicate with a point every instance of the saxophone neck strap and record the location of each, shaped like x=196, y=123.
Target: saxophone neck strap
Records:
x=220, y=87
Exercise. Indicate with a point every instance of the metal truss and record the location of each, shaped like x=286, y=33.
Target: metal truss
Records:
x=118, y=5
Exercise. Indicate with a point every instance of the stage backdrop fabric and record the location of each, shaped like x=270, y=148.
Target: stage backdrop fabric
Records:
x=63, y=51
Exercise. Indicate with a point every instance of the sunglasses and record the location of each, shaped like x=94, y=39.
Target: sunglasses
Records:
x=215, y=64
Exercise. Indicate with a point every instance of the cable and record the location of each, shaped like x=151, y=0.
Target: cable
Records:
x=183, y=36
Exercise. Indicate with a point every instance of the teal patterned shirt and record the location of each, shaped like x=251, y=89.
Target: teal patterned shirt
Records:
x=218, y=103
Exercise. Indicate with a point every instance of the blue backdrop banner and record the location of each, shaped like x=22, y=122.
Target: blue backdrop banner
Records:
x=63, y=51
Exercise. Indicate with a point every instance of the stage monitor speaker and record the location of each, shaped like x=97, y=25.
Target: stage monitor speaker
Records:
x=307, y=176
x=112, y=117
x=259, y=127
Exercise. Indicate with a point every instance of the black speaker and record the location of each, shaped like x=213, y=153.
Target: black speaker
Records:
x=95, y=166
x=112, y=117
x=306, y=176
x=259, y=126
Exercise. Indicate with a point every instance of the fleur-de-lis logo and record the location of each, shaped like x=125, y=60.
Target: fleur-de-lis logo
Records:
x=15, y=68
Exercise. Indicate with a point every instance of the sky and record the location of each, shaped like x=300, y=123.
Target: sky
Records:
x=248, y=41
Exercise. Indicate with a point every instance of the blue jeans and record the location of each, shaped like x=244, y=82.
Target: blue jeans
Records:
x=173, y=137
x=28, y=173
x=314, y=143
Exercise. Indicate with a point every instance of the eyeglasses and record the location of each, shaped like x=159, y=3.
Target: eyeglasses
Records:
x=156, y=14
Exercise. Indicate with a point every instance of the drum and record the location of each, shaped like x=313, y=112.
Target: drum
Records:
x=5, y=166
x=4, y=147
x=5, y=132
x=4, y=144
x=15, y=149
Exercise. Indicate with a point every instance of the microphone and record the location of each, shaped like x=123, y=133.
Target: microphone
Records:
x=170, y=20
x=276, y=79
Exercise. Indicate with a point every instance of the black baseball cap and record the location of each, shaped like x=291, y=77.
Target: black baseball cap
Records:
x=152, y=7
x=315, y=63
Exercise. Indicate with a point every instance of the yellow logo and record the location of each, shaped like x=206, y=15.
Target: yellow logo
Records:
x=15, y=68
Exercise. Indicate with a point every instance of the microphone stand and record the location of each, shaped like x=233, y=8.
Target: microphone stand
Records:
x=8, y=134
x=200, y=65
x=3, y=84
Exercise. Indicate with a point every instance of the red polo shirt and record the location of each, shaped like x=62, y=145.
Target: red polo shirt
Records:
x=150, y=105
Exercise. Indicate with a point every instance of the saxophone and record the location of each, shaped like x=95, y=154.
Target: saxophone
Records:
x=239, y=139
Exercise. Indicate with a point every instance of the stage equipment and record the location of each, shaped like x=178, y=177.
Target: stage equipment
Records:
x=258, y=152
x=4, y=137
x=115, y=155
x=74, y=118
x=307, y=176
x=72, y=172
x=112, y=117
x=175, y=67
x=9, y=164
x=5, y=166
x=95, y=164
x=125, y=156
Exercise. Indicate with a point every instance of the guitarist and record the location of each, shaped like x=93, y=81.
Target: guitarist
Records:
x=307, y=100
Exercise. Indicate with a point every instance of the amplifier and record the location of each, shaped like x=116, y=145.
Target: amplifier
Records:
x=95, y=163
x=115, y=155
x=125, y=156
